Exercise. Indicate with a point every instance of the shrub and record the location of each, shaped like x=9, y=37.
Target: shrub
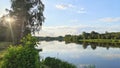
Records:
x=22, y=56
x=57, y=63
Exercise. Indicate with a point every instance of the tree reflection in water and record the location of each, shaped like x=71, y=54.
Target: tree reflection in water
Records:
x=94, y=45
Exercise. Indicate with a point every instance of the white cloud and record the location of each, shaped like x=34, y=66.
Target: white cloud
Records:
x=75, y=30
x=56, y=31
x=60, y=30
x=72, y=8
x=64, y=6
x=109, y=19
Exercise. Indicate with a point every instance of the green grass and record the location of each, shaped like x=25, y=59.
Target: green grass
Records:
x=101, y=40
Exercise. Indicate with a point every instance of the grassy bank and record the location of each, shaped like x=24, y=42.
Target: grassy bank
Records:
x=101, y=40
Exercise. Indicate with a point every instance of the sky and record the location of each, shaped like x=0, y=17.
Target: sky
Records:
x=75, y=16
x=3, y=5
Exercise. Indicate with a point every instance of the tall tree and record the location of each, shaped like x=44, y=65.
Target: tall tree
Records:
x=28, y=15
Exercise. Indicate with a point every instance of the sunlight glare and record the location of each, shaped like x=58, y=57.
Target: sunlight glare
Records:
x=9, y=19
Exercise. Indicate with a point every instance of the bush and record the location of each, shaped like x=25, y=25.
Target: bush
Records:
x=22, y=56
x=56, y=63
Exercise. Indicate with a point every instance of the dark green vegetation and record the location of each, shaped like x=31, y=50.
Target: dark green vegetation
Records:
x=59, y=38
x=113, y=37
x=56, y=63
x=3, y=47
x=22, y=56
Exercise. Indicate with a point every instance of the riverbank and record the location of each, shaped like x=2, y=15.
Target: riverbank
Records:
x=100, y=40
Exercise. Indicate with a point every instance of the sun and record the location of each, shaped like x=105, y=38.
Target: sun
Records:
x=9, y=19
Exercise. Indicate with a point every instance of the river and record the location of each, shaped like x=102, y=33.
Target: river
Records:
x=82, y=57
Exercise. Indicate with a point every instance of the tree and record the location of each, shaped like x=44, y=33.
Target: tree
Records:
x=28, y=15
x=85, y=35
x=94, y=35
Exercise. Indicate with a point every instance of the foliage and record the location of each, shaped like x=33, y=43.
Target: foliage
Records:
x=29, y=41
x=3, y=47
x=28, y=12
x=22, y=56
x=56, y=63
x=59, y=38
x=28, y=18
x=71, y=38
x=94, y=37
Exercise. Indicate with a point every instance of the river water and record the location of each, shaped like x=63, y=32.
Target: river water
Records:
x=82, y=57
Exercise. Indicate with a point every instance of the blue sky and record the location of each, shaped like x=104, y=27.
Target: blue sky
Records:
x=3, y=5
x=75, y=16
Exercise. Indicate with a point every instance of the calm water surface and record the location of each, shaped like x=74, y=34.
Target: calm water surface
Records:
x=76, y=54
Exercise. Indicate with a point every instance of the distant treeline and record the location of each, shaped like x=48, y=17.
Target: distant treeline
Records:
x=92, y=35
x=59, y=38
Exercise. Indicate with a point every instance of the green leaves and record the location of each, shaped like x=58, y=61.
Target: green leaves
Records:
x=56, y=63
x=22, y=56
x=29, y=41
x=31, y=11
